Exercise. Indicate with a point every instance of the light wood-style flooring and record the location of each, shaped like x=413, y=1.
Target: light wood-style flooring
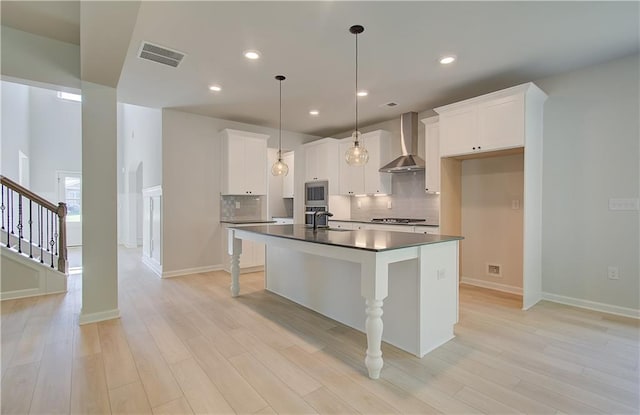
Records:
x=183, y=345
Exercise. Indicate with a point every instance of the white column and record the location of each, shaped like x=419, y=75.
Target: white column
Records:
x=374, y=286
x=99, y=204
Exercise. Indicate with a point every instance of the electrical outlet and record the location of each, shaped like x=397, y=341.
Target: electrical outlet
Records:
x=624, y=204
x=442, y=274
x=389, y=204
x=613, y=273
x=237, y=205
x=359, y=204
x=515, y=204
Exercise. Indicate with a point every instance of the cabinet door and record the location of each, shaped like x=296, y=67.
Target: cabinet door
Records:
x=288, y=181
x=340, y=225
x=311, y=163
x=458, y=131
x=351, y=177
x=432, y=157
x=501, y=123
x=379, y=151
x=234, y=183
x=255, y=166
x=430, y=230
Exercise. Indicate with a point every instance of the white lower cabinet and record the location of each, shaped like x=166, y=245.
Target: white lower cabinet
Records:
x=283, y=221
x=340, y=225
x=252, y=257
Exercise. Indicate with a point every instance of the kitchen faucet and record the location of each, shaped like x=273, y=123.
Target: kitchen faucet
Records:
x=318, y=214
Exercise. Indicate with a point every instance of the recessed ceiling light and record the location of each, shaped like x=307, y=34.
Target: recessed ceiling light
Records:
x=215, y=88
x=445, y=60
x=314, y=112
x=362, y=93
x=252, y=54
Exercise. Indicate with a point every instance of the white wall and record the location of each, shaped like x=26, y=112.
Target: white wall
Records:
x=492, y=229
x=56, y=139
x=191, y=186
x=15, y=126
x=39, y=59
x=139, y=165
x=591, y=154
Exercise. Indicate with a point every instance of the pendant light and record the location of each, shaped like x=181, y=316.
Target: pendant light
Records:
x=280, y=168
x=356, y=155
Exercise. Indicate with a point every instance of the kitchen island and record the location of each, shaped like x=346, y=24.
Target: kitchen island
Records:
x=331, y=271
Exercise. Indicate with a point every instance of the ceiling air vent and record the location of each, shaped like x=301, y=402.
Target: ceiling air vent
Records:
x=160, y=54
x=389, y=104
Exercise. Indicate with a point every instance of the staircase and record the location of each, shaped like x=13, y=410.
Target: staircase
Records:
x=32, y=243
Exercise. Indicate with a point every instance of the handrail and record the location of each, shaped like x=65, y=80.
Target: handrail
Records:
x=56, y=236
x=28, y=193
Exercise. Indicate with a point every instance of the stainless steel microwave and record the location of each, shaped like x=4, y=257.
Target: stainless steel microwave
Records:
x=316, y=193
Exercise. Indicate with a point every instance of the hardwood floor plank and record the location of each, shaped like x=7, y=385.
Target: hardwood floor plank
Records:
x=18, y=387
x=89, y=392
x=170, y=345
x=120, y=368
x=483, y=402
x=222, y=339
x=177, y=407
x=279, y=396
x=325, y=402
x=86, y=340
x=52, y=393
x=200, y=392
x=237, y=391
x=129, y=399
x=290, y=374
x=157, y=379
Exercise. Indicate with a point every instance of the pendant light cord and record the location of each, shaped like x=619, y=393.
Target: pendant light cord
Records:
x=356, y=87
x=280, y=126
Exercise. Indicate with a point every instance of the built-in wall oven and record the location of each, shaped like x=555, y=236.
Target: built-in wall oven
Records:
x=316, y=199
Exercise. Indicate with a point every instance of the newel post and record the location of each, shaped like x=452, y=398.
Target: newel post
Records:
x=63, y=264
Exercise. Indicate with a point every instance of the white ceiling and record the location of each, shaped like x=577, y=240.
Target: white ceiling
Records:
x=498, y=44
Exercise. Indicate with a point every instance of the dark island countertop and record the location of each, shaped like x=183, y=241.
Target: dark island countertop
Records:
x=369, y=240
x=245, y=221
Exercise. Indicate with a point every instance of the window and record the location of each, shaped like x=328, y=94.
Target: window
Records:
x=70, y=189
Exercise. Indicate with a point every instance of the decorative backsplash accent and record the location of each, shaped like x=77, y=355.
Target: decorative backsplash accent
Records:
x=241, y=207
x=408, y=200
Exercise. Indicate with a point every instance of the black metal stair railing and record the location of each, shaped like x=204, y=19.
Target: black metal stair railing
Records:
x=48, y=224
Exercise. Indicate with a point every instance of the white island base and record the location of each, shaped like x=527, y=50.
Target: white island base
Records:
x=418, y=286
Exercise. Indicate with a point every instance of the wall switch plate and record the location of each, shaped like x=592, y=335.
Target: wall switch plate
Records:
x=613, y=273
x=389, y=204
x=237, y=205
x=624, y=204
x=515, y=204
x=442, y=273
x=359, y=204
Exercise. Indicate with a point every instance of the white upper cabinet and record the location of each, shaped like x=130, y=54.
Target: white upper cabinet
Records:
x=244, y=163
x=367, y=179
x=489, y=122
x=321, y=163
x=351, y=177
x=287, y=181
x=432, y=155
x=378, y=144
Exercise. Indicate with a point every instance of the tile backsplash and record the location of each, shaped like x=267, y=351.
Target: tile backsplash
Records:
x=408, y=200
x=241, y=207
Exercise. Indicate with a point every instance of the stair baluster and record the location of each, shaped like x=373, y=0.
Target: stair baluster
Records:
x=47, y=215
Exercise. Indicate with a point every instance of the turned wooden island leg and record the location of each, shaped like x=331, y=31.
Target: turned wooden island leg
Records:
x=373, y=325
x=235, y=249
x=374, y=285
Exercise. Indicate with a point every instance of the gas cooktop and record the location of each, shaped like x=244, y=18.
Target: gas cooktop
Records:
x=396, y=220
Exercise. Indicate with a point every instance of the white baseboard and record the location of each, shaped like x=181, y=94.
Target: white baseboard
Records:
x=99, y=316
x=492, y=285
x=29, y=292
x=153, y=265
x=592, y=305
x=187, y=271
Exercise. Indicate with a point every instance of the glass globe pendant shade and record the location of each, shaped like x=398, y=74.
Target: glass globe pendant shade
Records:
x=279, y=168
x=356, y=155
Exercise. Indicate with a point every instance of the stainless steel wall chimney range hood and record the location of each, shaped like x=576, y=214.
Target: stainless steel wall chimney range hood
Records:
x=409, y=161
